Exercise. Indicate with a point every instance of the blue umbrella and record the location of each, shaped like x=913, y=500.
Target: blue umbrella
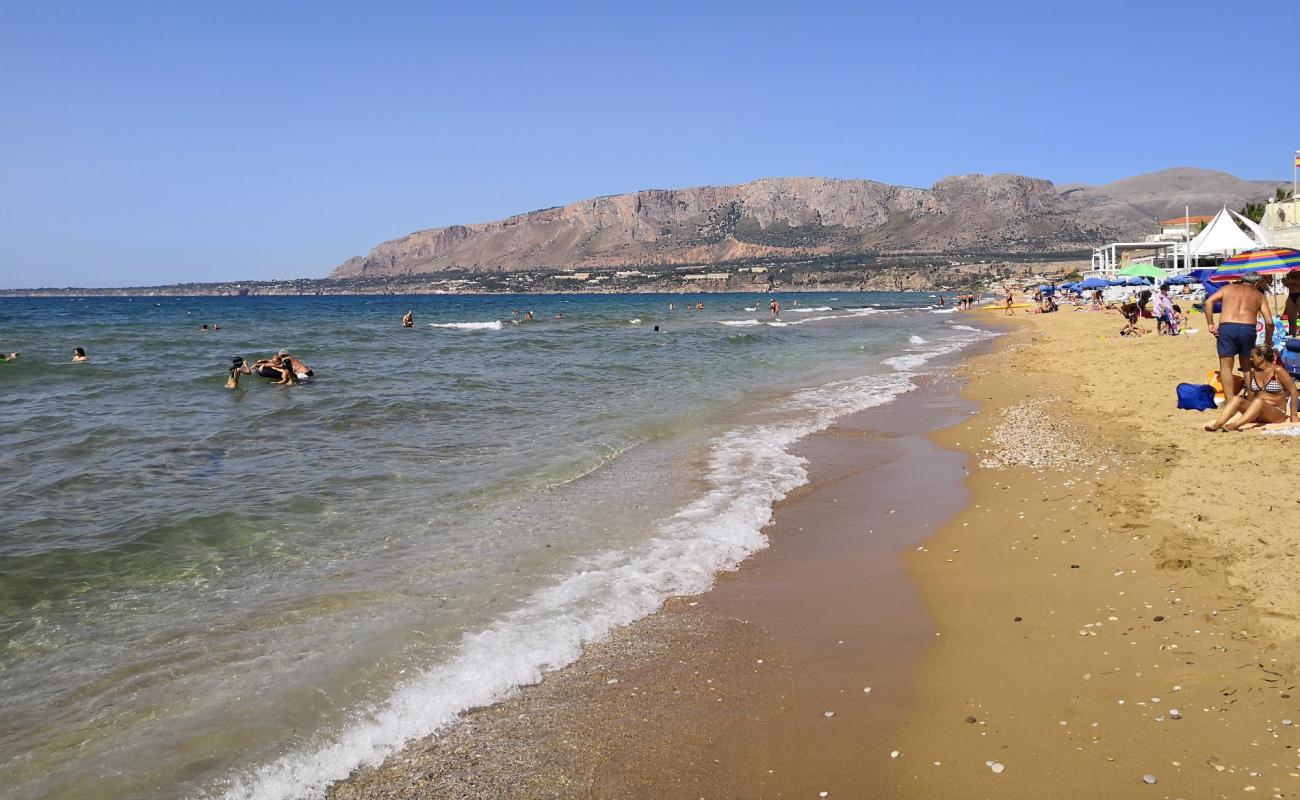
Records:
x=1094, y=283
x=1137, y=281
x=1116, y=283
x=1181, y=280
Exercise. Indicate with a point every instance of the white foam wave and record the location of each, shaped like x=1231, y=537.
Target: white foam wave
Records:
x=494, y=325
x=754, y=308
x=967, y=328
x=739, y=322
x=810, y=310
x=778, y=324
x=915, y=358
x=917, y=340
x=943, y=311
x=636, y=321
x=750, y=469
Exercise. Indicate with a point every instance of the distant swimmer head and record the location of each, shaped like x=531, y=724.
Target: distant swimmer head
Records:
x=77, y=351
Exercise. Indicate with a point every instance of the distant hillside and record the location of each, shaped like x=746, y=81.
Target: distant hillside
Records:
x=1164, y=194
x=795, y=218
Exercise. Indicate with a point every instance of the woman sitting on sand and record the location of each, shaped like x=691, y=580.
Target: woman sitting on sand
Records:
x=1270, y=395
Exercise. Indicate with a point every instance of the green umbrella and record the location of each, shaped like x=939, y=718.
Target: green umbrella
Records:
x=1143, y=271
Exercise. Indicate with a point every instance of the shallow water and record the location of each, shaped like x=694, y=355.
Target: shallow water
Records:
x=207, y=592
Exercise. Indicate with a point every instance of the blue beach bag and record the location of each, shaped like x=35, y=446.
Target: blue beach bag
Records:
x=1196, y=396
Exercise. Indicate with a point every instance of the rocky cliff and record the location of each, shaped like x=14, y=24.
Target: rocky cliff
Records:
x=772, y=218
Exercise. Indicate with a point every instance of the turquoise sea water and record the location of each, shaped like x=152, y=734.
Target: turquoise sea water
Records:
x=247, y=593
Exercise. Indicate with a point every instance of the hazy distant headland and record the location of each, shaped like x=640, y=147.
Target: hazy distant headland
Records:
x=773, y=234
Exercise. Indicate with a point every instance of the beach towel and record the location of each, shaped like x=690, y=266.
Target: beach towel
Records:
x=1196, y=396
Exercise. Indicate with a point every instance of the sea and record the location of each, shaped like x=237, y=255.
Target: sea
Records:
x=215, y=593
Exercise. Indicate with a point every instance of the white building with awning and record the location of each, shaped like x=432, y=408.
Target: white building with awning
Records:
x=1220, y=238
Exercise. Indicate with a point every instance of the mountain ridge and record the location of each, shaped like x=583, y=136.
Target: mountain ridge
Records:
x=783, y=219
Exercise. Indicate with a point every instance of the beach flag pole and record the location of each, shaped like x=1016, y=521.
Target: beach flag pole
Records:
x=1294, y=168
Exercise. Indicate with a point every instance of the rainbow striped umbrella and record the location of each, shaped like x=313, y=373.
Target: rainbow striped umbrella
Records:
x=1266, y=261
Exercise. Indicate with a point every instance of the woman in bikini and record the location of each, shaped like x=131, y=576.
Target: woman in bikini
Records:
x=1270, y=394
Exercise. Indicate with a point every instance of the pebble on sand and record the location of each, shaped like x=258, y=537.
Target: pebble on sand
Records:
x=828, y=713
x=893, y=754
x=1148, y=778
x=996, y=766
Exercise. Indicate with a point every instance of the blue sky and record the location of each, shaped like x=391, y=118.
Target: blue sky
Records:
x=160, y=142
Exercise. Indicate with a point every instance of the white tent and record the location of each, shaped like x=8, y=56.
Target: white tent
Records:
x=1263, y=237
x=1221, y=237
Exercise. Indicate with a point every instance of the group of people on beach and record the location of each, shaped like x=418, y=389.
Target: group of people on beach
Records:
x=1266, y=392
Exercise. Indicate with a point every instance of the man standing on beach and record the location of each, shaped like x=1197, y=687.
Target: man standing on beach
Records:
x=1243, y=305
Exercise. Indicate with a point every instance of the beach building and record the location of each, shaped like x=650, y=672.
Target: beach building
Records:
x=1182, y=228
x=1220, y=236
x=1281, y=222
x=707, y=276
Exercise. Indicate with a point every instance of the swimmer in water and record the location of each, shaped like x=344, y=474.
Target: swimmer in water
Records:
x=5, y=359
x=79, y=356
x=408, y=321
x=559, y=316
x=237, y=368
x=204, y=327
x=528, y=315
x=295, y=365
x=287, y=376
x=699, y=306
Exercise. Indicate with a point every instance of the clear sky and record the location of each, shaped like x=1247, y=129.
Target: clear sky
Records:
x=160, y=142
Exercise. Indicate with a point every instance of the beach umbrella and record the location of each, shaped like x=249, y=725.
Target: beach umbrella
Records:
x=1134, y=280
x=1181, y=280
x=1116, y=282
x=1269, y=260
x=1143, y=271
x=1094, y=283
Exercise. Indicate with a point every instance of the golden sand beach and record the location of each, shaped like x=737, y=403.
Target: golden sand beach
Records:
x=1075, y=592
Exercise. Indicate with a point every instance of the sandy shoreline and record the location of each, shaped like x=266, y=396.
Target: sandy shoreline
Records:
x=1098, y=614
x=726, y=694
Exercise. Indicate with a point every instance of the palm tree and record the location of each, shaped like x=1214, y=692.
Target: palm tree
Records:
x=1281, y=193
x=1252, y=211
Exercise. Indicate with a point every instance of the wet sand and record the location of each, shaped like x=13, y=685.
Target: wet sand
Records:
x=758, y=688
x=1095, y=615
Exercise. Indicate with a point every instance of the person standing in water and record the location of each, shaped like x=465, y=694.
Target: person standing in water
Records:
x=79, y=356
x=237, y=368
x=776, y=308
x=1008, y=311
x=408, y=321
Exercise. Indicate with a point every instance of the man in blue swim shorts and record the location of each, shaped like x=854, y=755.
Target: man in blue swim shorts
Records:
x=1243, y=305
